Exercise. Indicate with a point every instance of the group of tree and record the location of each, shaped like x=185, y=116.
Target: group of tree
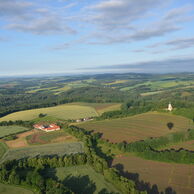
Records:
x=30, y=172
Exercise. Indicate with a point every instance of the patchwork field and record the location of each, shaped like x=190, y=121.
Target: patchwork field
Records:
x=9, y=130
x=20, y=141
x=138, y=127
x=67, y=111
x=48, y=149
x=9, y=189
x=40, y=137
x=82, y=179
x=177, y=177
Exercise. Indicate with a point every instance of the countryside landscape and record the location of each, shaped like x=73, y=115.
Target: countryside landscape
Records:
x=96, y=97
x=118, y=140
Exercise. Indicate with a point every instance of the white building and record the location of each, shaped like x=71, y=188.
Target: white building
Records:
x=170, y=108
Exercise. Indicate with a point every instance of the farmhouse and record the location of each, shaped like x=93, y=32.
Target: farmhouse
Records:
x=47, y=127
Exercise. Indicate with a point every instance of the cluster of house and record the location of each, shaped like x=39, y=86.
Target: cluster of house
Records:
x=47, y=127
x=84, y=119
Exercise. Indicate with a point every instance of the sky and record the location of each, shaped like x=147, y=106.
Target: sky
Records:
x=98, y=36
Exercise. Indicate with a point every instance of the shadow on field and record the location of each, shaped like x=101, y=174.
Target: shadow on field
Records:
x=140, y=184
x=80, y=184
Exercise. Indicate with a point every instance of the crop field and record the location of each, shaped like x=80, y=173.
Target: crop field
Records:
x=9, y=130
x=9, y=189
x=179, y=177
x=40, y=137
x=138, y=127
x=67, y=111
x=3, y=149
x=82, y=179
x=41, y=150
x=188, y=145
x=102, y=107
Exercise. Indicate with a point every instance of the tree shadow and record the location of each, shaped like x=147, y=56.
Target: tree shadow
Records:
x=105, y=191
x=80, y=184
x=140, y=184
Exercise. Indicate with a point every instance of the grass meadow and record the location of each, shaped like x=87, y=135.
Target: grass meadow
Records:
x=138, y=127
x=10, y=189
x=9, y=130
x=41, y=150
x=3, y=149
x=82, y=179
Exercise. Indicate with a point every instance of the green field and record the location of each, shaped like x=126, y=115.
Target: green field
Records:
x=9, y=189
x=188, y=145
x=64, y=112
x=101, y=107
x=49, y=149
x=179, y=177
x=67, y=111
x=9, y=130
x=138, y=127
x=82, y=180
x=3, y=149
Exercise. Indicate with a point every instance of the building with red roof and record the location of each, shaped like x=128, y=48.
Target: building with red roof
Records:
x=47, y=127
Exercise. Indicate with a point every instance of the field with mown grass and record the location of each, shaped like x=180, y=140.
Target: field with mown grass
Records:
x=64, y=112
x=138, y=127
x=188, y=145
x=42, y=150
x=82, y=179
x=166, y=177
x=10, y=189
x=3, y=149
x=9, y=130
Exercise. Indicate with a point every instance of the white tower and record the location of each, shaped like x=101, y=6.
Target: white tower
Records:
x=170, y=108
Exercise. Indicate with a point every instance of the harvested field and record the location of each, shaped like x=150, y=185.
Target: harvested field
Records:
x=9, y=130
x=138, y=127
x=41, y=150
x=179, y=177
x=66, y=111
x=188, y=145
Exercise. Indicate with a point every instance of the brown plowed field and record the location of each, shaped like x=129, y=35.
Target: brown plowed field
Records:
x=179, y=177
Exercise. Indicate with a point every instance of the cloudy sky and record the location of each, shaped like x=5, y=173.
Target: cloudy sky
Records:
x=69, y=36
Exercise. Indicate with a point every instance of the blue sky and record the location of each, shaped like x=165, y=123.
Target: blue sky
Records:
x=68, y=36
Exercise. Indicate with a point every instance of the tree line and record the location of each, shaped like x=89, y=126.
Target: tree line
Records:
x=149, y=148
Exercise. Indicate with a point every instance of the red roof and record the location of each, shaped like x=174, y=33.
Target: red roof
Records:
x=45, y=128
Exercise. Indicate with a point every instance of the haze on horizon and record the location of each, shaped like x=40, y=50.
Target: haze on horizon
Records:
x=68, y=36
